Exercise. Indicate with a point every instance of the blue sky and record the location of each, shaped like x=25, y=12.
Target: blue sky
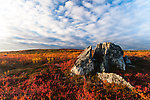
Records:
x=32, y=24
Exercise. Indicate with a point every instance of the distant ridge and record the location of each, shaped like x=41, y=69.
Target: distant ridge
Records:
x=33, y=51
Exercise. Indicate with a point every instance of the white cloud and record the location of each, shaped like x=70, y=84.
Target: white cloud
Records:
x=69, y=4
x=86, y=4
x=99, y=1
x=116, y=1
x=68, y=23
x=99, y=10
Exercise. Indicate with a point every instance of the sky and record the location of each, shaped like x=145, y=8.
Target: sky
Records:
x=54, y=24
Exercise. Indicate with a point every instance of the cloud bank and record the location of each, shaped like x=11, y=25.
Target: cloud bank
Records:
x=28, y=24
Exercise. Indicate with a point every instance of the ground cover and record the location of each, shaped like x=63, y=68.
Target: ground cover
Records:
x=45, y=74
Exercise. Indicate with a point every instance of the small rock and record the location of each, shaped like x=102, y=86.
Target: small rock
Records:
x=127, y=60
x=114, y=78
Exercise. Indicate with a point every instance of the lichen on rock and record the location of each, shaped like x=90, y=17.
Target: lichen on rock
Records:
x=84, y=63
x=114, y=78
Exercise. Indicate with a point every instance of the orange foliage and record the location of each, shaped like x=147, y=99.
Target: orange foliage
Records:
x=46, y=76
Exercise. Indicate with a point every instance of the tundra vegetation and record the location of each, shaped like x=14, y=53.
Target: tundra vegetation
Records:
x=45, y=74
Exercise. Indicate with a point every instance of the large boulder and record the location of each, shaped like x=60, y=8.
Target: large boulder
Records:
x=114, y=78
x=84, y=63
x=107, y=55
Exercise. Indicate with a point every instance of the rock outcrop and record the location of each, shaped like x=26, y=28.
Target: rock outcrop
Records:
x=107, y=55
x=84, y=63
x=114, y=78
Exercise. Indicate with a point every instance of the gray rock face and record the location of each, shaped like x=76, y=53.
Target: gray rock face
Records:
x=114, y=78
x=84, y=63
x=106, y=55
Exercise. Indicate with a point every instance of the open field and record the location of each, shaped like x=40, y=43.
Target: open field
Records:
x=45, y=74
